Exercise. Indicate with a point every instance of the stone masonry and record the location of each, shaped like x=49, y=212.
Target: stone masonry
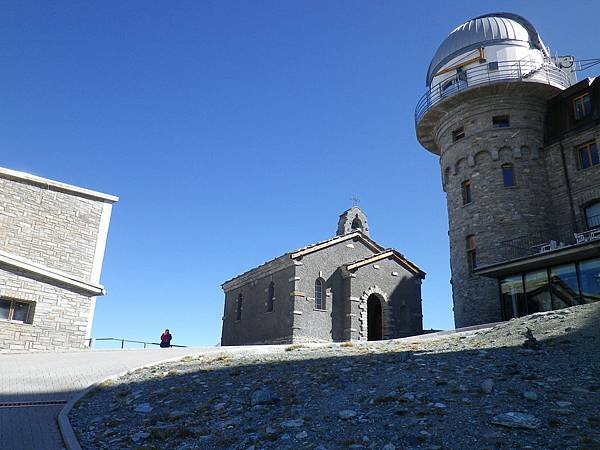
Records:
x=495, y=213
x=52, y=241
x=351, y=267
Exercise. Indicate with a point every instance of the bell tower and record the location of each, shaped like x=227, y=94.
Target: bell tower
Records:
x=352, y=220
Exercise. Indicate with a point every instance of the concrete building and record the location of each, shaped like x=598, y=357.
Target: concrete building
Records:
x=345, y=288
x=517, y=140
x=52, y=241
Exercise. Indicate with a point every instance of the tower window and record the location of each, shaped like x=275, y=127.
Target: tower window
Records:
x=319, y=298
x=582, y=106
x=587, y=155
x=501, y=121
x=508, y=175
x=238, y=308
x=271, y=299
x=458, y=134
x=471, y=253
x=466, y=192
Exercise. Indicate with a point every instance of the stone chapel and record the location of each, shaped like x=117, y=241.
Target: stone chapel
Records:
x=346, y=288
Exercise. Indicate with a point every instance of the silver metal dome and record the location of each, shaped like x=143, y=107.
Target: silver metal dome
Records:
x=494, y=28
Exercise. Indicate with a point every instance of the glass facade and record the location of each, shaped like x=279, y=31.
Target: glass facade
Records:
x=564, y=286
x=552, y=288
x=589, y=280
x=513, y=295
x=537, y=291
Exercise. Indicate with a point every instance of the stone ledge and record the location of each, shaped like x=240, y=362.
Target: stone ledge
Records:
x=55, y=185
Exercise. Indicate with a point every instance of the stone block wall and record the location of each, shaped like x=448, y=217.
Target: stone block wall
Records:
x=56, y=229
x=584, y=184
x=399, y=291
x=495, y=213
x=258, y=325
x=60, y=319
x=52, y=242
x=311, y=324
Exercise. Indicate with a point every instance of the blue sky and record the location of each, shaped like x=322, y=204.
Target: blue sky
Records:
x=234, y=131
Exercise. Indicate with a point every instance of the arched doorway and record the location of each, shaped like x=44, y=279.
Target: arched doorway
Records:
x=374, y=322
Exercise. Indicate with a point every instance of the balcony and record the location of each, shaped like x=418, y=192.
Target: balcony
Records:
x=544, y=72
x=547, y=244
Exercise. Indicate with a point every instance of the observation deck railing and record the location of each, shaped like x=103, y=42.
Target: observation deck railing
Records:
x=122, y=342
x=492, y=72
x=557, y=238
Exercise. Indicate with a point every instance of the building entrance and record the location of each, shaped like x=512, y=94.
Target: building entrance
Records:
x=374, y=322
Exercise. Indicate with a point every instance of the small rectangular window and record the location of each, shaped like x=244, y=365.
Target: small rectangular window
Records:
x=501, y=121
x=582, y=106
x=16, y=311
x=457, y=134
x=238, y=308
x=587, y=155
x=493, y=65
x=471, y=253
x=508, y=175
x=466, y=192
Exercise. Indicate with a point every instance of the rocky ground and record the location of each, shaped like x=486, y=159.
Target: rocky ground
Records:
x=530, y=383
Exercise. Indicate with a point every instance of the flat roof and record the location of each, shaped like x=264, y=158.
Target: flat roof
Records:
x=55, y=185
x=563, y=255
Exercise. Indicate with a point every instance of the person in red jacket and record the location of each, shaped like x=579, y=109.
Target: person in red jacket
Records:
x=165, y=339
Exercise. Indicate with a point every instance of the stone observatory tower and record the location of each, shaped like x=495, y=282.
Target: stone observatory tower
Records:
x=483, y=113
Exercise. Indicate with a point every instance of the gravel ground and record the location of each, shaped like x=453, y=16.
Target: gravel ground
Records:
x=530, y=383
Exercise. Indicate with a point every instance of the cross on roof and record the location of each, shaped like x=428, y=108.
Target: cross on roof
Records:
x=355, y=200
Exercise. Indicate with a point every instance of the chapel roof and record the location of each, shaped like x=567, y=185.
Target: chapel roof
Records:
x=387, y=253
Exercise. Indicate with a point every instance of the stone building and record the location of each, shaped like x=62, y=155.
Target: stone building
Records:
x=517, y=139
x=52, y=240
x=345, y=288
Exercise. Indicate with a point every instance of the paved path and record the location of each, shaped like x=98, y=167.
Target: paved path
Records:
x=55, y=377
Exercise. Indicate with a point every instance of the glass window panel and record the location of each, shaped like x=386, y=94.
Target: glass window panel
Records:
x=4, y=308
x=592, y=215
x=589, y=280
x=508, y=175
x=564, y=285
x=319, y=303
x=594, y=152
x=587, y=104
x=513, y=298
x=537, y=292
x=21, y=312
x=584, y=158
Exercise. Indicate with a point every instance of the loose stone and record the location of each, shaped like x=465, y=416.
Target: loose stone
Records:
x=516, y=420
x=346, y=414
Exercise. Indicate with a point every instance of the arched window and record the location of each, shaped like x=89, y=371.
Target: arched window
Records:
x=508, y=175
x=356, y=223
x=319, y=298
x=238, y=307
x=271, y=299
x=592, y=216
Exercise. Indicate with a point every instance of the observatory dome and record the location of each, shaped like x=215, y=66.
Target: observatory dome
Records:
x=489, y=29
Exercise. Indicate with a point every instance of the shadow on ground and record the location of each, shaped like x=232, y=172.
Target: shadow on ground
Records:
x=420, y=395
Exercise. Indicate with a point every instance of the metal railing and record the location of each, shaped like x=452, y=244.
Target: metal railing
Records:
x=92, y=342
x=556, y=238
x=492, y=72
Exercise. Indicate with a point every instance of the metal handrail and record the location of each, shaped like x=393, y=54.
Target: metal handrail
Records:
x=556, y=238
x=122, y=340
x=525, y=70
